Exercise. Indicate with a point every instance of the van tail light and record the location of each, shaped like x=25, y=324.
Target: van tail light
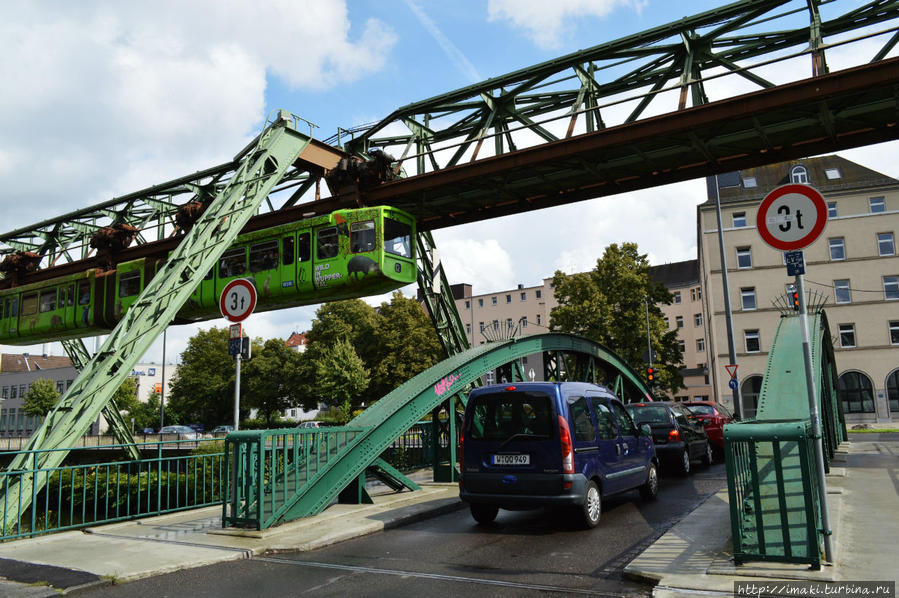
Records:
x=461, y=454
x=673, y=436
x=567, y=448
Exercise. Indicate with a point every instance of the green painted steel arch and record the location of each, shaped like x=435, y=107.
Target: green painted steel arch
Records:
x=401, y=409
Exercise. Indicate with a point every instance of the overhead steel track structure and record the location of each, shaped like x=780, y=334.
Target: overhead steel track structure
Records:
x=743, y=85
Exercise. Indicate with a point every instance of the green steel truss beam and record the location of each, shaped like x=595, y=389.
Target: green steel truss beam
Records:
x=153, y=210
x=396, y=412
x=438, y=297
x=80, y=359
x=543, y=103
x=277, y=148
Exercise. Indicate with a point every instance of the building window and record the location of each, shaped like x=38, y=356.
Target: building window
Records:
x=539, y=322
x=14, y=392
x=692, y=294
x=538, y=293
x=894, y=337
x=68, y=384
x=5, y=394
x=749, y=182
x=700, y=345
x=480, y=303
x=837, y=249
x=524, y=322
x=749, y=393
x=481, y=324
x=495, y=324
x=677, y=296
x=857, y=393
x=842, y=292
x=747, y=297
x=877, y=205
x=467, y=304
x=744, y=257
x=682, y=346
x=891, y=287
x=885, y=244
x=739, y=219
x=468, y=329
x=524, y=296
x=679, y=320
x=493, y=300
x=753, y=343
x=697, y=319
x=832, y=173
x=799, y=174
x=60, y=386
x=508, y=323
x=508, y=298
x=893, y=391
x=831, y=209
x=699, y=293
x=847, y=335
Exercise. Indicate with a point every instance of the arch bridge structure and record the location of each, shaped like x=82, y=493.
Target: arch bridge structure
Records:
x=749, y=83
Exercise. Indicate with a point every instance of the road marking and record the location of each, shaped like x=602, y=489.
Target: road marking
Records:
x=440, y=577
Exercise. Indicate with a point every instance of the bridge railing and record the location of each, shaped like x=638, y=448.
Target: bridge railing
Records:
x=75, y=496
x=772, y=490
x=267, y=469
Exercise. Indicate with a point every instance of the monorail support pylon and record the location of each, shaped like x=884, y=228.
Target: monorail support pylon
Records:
x=259, y=170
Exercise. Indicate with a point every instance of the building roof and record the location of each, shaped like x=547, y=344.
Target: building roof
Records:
x=676, y=274
x=296, y=339
x=852, y=176
x=23, y=362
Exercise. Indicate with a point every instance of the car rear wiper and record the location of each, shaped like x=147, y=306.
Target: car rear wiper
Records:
x=522, y=435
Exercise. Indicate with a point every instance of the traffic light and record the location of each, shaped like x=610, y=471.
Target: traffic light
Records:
x=794, y=296
x=650, y=375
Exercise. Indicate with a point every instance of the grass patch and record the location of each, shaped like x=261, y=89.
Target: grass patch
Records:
x=874, y=431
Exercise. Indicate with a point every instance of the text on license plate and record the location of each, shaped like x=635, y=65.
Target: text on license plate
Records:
x=511, y=459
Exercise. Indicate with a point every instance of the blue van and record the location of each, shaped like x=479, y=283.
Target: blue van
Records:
x=551, y=444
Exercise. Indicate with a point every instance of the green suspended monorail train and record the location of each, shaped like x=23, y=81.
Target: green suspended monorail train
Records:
x=342, y=255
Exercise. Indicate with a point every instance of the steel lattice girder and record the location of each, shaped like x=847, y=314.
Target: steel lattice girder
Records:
x=395, y=413
x=454, y=176
x=277, y=148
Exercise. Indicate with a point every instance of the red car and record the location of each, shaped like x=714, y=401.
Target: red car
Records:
x=713, y=416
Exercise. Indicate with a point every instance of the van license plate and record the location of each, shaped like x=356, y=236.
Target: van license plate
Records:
x=511, y=459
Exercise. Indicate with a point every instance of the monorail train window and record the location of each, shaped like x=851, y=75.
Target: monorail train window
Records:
x=397, y=237
x=304, y=247
x=362, y=236
x=84, y=292
x=264, y=256
x=233, y=262
x=48, y=301
x=29, y=304
x=210, y=274
x=129, y=284
x=288, y=251
x=69, y=295
x=12, y=308
x=327, y=243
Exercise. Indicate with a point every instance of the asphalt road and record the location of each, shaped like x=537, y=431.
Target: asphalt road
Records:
x=524, y=553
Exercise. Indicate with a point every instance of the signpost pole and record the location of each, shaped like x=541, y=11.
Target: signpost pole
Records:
x=237, y=393
x=816, y=420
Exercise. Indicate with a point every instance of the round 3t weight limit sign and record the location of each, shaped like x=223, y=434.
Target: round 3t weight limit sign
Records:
x=238, y=300
x=791, y=217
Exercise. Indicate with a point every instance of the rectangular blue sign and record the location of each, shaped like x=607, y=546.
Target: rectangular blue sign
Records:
x=795, y=263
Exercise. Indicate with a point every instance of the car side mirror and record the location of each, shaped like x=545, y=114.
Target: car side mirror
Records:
x=645, y=430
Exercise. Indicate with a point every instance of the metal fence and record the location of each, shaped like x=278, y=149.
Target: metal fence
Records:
x=75, y=496
x=772, y=489
x=267, y=469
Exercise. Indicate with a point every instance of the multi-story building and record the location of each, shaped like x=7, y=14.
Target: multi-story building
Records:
x=852, y=265
x=686, y=313
x=17, y=373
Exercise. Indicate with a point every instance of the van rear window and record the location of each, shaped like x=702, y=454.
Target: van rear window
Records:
x=498, y=416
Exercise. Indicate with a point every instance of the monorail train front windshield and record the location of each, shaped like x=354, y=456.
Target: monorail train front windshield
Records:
x=397, y=238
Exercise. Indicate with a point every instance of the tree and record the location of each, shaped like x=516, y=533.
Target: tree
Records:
x=146, y=415
x=354, y=321
x=608, y=305
x=407, y=345
x=40, y=398
x=125, y=398
x=341, y=377
x=273, y=379
x=203, y=386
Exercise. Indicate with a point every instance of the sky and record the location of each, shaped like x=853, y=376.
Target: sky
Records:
x=101, y=99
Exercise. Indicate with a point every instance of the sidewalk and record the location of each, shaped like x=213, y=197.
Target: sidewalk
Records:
x=692, y=558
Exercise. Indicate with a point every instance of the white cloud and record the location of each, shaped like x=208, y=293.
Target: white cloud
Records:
x=546, y=22
x=105, y=98
x=482, y=262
